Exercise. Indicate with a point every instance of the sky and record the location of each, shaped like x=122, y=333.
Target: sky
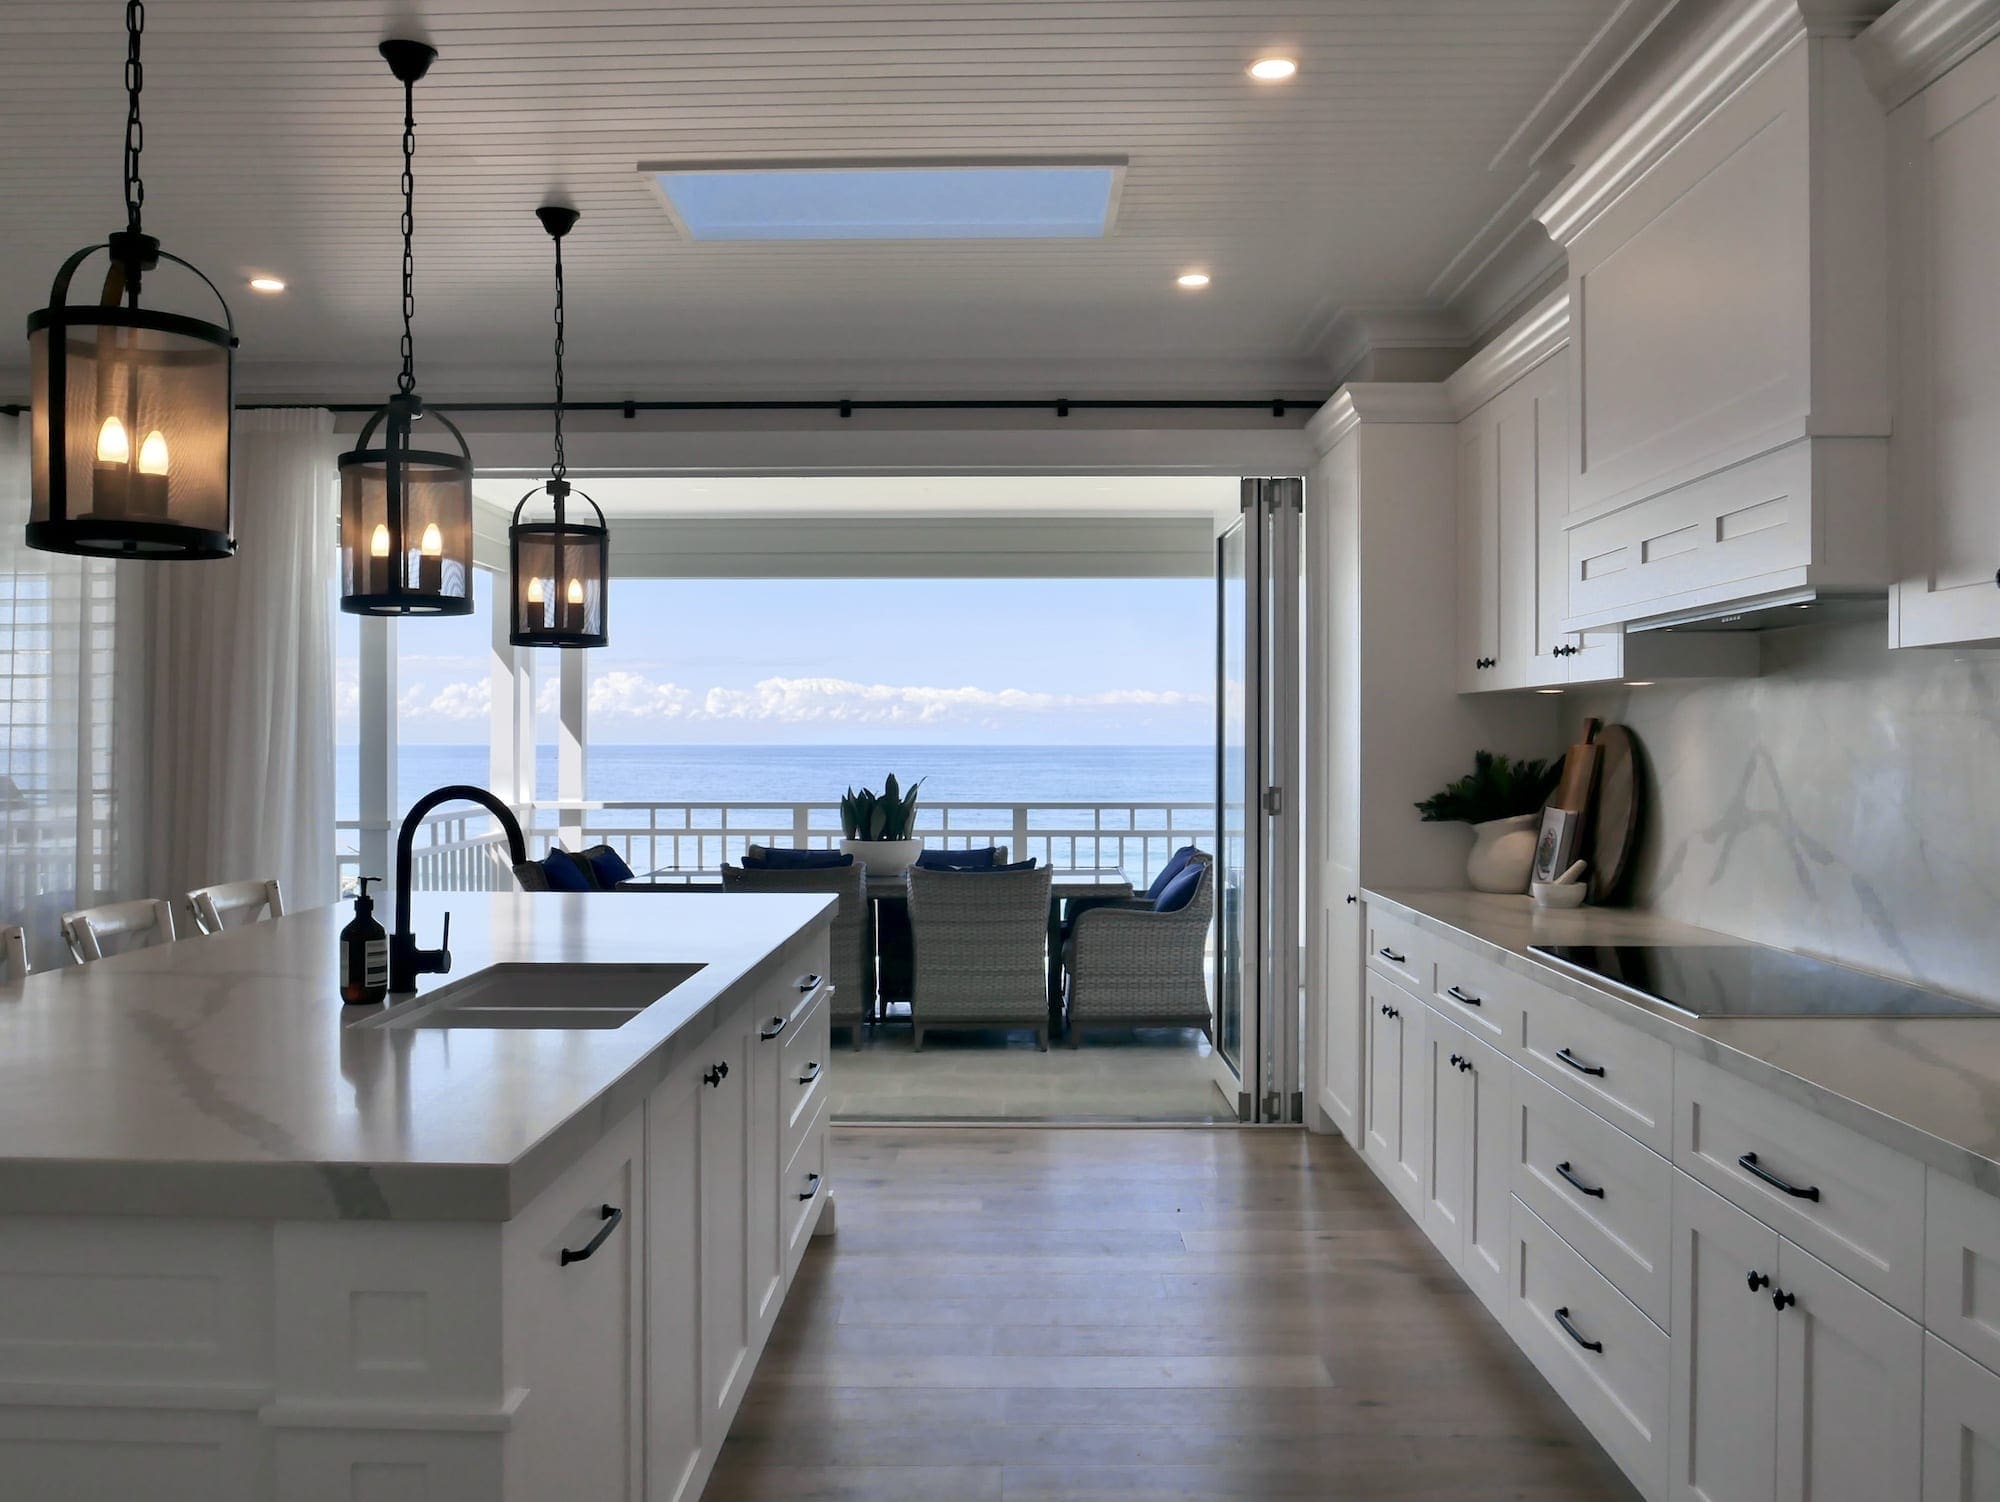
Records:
x=843, y=661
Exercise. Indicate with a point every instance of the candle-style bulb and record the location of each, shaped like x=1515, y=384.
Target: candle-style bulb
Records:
x=433, y=543
x=576, y=591
x=536, y=594
x=114, y=446
x=153, y=454
x=378, y=544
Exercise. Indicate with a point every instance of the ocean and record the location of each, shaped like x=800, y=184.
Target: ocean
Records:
x=798, y=774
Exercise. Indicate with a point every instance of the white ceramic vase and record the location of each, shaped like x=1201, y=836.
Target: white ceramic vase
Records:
x=1503, y=854
x=890, y=857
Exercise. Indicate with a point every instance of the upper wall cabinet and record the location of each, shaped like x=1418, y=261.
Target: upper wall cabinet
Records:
x=1729, y=411
x=1946, y=452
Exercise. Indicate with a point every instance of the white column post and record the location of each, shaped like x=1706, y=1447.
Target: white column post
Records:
x=503, y=738
x=378, y=742
x=570, y=747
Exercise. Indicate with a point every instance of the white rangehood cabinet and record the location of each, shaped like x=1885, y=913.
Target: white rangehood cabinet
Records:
x=1729, y=416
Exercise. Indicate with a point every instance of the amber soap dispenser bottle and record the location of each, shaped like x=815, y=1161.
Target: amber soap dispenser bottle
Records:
x=364, y=954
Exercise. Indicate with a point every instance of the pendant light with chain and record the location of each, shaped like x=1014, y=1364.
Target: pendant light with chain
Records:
x=405, y=510
x=132, y=408
x=560, y=570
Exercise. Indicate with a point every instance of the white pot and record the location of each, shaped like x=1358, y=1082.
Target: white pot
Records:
x=1503, y=854
x=887, y=857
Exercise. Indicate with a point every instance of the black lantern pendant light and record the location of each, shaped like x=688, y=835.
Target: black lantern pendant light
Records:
x=561, y=570
x=132, y=407
x=406, y=508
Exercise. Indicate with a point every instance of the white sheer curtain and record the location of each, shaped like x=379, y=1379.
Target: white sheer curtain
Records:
x=239, y=756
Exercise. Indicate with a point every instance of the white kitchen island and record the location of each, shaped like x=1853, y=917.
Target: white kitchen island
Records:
x=254, y=1246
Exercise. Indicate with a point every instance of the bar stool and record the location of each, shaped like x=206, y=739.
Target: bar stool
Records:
x=148, y=920
x=212, y=907
x=14, y=943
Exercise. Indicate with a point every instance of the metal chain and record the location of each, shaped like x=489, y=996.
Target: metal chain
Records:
x=562, y=463
x=135, y=132
x=407, y=381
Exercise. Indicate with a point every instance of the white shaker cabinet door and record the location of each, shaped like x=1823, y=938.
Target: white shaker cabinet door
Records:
x=1725, y=1352
x=1383, y=1128
x=674, y=1456
x=1446, y=1137
x=726, y=1095
x=1850, y=1388
x=1491, y=1148
x=1961, y=1426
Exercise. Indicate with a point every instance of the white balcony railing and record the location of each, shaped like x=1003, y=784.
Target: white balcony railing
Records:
x=460, y=850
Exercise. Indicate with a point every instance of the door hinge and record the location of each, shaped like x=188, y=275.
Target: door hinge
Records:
x=1298, y=1106
x=1274, y=801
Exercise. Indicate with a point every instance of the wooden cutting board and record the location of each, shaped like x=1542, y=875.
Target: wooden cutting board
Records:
x=1579, y=772
x=1614, y=833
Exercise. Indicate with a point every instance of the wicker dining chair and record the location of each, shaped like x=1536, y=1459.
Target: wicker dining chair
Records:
x=214, y=908
x=14, y=943
x=981, y=942
x=147, y=920
x=1131, y=966
x=852, y=940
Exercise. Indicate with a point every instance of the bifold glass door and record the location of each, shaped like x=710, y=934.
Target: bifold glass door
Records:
x=1256, y=959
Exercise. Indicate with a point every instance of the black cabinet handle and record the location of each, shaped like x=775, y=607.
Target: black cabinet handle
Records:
x=812, y=1187
x=1464, y=1065
x=1758, y=1280
x=716, y=1075
x=1562, y=1318
x=1391, y=956
x=811, y=1074
x=806, y=982
x=1352, y=899
x=1781, y=1301
x=1578, y=1065
x=1457, y=995
x=1749, y=1163
x=610, y=1215
x=777, y=1026
x=1578, y=1184
x=1456, y=1060
x=1389, y=1011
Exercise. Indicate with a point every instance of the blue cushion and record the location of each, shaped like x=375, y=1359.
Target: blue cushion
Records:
x=783, y=858
x=1176, y=863
x=566, y=872
x=982, y=859
x=607, y=866
x=1179, y=892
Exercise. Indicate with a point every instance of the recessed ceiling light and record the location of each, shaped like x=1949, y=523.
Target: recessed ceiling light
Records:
x=1638, y=683
x=266, y=284
x=1273, y=69
x=1191, y=279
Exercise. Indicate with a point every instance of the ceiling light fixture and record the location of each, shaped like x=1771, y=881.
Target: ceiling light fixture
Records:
x=406, y=513
x=266, y=284
x=1273, y=69
x=1191, y=279
x=560, y=570
x=133, y=409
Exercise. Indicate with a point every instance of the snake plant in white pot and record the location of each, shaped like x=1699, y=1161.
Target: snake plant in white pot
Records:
x=878, y=829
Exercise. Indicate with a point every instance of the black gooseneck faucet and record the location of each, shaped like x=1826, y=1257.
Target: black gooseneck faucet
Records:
x=406, y=961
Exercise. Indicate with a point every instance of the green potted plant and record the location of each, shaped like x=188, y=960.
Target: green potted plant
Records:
x=878, y=828
x=1502, y=801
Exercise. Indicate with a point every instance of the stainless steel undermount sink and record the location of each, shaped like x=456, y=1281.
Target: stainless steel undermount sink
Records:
x=541, y=996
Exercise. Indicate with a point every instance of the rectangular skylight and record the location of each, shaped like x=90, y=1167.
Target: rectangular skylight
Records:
x=929, y=200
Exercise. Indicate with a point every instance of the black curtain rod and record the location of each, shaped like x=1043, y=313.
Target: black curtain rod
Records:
x=1278, y=406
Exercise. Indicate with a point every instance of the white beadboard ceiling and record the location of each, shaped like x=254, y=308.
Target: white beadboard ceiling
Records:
x=273, y=148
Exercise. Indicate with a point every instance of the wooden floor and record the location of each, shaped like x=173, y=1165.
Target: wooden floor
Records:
x=1020, y=1313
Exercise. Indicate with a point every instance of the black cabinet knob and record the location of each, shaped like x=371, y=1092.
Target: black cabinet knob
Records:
x=1759, y=1280
x=1781, y=1301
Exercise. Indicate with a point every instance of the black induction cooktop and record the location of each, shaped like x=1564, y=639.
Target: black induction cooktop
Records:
x=1750, y=980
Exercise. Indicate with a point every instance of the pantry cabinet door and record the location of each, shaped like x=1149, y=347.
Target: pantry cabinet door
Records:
x=1946, y=449
x=1850, y=1388
x=1725, y=1351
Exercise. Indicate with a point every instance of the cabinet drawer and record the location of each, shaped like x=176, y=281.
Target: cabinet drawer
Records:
x=802, y=1188
x=1480, y=997
x=1622, y=1074
x=1962, y=1267
x=1399, y=948
x=1610, y=1364
x=1853, y=1203
x=1603, y=1193
x=802, y=1070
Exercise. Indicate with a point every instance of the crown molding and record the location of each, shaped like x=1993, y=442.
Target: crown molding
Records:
x=1919, y=41
x=1536, y=335
x=1754, y=34
x=1361, y=402
x=1608, y=50
x=1356, y=333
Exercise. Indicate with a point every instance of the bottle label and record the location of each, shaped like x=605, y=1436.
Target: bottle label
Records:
x=376, y=966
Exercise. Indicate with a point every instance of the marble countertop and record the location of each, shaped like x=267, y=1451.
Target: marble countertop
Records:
x=221, y=1076
x=1928, y=1087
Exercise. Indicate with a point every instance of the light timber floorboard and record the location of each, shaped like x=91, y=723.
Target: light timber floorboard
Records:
x=1025, y=1315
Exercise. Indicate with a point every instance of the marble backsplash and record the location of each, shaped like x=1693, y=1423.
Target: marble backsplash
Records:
x=1846, y=803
